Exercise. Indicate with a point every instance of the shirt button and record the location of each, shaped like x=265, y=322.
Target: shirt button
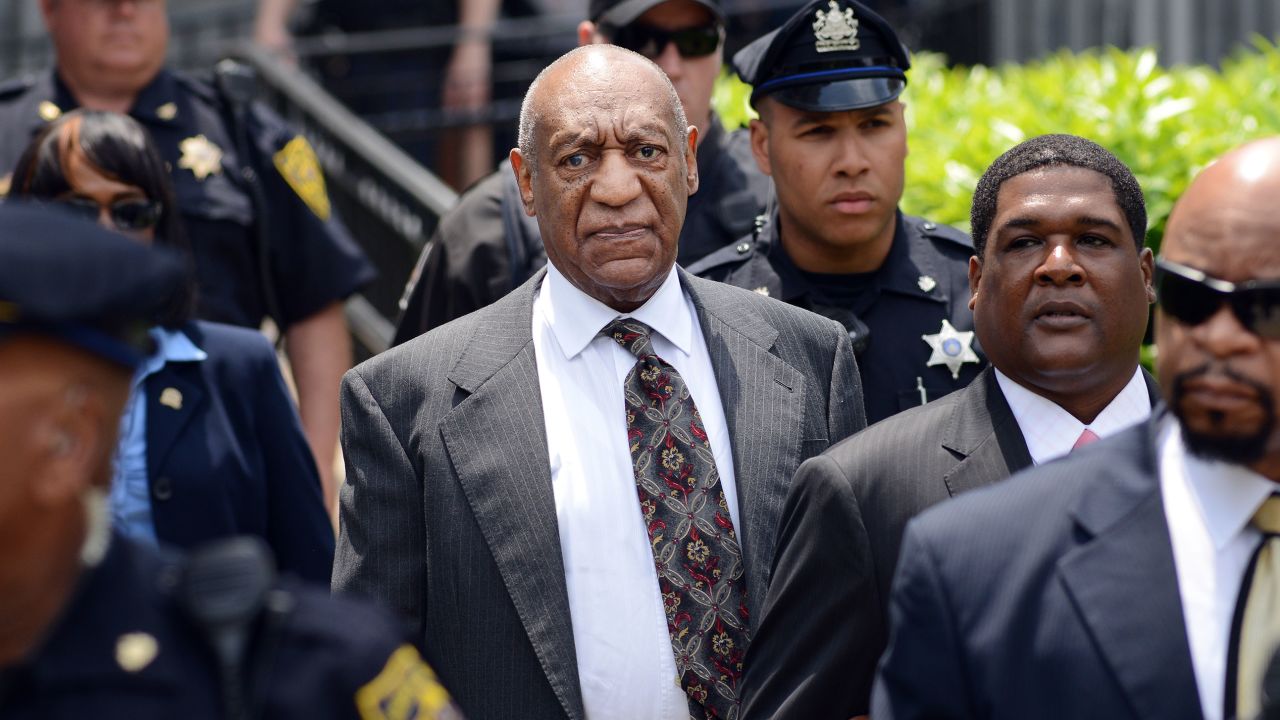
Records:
x=162, y=489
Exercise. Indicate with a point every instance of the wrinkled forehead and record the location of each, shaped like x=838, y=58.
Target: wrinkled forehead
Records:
x=607, y=96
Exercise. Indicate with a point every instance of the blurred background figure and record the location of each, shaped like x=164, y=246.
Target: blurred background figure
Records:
x=96, y=624
x=486, y=245
x=249, y=189
x=210, y=444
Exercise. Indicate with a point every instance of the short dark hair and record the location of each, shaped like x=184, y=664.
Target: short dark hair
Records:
x=120, y=148
x=1049, y=151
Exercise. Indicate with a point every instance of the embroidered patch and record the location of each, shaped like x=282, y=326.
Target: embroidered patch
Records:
x=406, y=688
x=300, y=167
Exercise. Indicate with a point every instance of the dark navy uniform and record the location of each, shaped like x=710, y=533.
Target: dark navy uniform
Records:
x=127, y=647
x=311, y=258
x=909, y=319
x=486, y=246
x=922, y=282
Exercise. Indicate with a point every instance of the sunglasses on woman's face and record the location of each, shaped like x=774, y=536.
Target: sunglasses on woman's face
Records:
x=694, y=42
x=127, y=215
x=1191, y=297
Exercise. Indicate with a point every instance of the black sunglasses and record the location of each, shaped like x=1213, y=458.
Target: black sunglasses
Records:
x=129, y=215
x=650, y=42
x=1192, y=297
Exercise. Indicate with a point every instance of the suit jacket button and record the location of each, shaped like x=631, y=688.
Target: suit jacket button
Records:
x=162, y=488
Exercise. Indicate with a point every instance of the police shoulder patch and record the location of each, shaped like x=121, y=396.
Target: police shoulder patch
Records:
x=299, y=166
x=406, y=688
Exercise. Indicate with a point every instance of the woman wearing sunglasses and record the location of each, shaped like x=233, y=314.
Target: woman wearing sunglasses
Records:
x=210, y=444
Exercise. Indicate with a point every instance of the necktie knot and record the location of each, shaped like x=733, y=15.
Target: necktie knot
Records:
x=1267, y=518
x=634, y=336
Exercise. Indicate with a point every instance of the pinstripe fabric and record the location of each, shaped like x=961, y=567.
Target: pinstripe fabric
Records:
x=448, y=515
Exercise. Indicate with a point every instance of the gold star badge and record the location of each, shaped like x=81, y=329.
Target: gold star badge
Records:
x=171, y=397
x=167, y=111
x=135, y=651
x=951, y=348
x=200, y=156
x=48, y=111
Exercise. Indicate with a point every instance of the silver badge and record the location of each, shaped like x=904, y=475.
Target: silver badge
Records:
x=835, y=30
x=951, y=348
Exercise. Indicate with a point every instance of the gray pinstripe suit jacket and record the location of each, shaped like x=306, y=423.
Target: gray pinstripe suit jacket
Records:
x=447, y=514
x=825, y=620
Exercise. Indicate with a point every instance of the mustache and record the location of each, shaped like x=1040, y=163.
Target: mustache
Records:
x=1220, y=368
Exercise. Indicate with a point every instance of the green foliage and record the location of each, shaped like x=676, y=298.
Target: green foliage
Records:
x=1165, y=123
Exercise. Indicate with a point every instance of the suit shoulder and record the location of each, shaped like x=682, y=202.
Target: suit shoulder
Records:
x=479, y=203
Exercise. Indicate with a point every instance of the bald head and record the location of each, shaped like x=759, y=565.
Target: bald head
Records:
x=1219, y=362
x=606, y=73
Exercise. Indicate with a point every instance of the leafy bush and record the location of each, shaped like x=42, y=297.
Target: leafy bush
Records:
x=1165, y=123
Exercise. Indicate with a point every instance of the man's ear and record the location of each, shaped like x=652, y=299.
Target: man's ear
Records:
x=524, y=179
x=975, y=278
x=760, y=146
x=1147, y=261
x=691, y=159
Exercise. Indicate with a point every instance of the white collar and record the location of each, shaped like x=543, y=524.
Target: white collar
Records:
x=576, y=318
x=1226, y=494
x=1051, y=431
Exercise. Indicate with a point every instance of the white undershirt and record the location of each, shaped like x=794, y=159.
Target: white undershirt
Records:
x=1208, y=506
x=625, y=662
x=1051, y=431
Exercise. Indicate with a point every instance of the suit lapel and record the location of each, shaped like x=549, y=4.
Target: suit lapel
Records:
x=763, y=399
x=985, y=434
x=507, y=482
x=173, y=397
x=1124, y=584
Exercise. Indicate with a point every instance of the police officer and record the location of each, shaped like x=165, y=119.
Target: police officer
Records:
x=96, y=625
x=831, y=134
x=486, y=246
x=295, y=263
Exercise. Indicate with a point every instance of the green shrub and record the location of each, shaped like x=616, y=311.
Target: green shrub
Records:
x=1165, y=123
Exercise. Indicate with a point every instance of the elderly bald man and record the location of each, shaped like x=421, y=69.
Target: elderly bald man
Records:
x=572, y=493
x=1140, y=576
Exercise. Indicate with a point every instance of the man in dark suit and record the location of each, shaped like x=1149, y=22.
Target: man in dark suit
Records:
x=1137, y=578
x=572, y=494
x=1060, y=288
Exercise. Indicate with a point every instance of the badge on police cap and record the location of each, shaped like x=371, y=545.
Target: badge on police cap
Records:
x=951, y=348
x=835, y=30
x=200, y=156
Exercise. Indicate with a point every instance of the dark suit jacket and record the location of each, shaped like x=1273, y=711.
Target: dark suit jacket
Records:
x=825, y=622
x=448, y=514
x=1053, y=595
x=230, y=458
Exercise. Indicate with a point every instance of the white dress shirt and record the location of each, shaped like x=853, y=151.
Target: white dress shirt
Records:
x=625, y=662
x=1208, y=506
x=1051, y=432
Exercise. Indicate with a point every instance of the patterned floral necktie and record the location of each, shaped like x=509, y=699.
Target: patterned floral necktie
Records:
x=695, y=549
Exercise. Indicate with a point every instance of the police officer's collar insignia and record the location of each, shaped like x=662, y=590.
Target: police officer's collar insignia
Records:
x=167, y=111
x=951, y=348
x=835, y=30
x=171, y=398
x=926, y=283
x=48, y=111
x=762, y=290
x=135, y=651
x=5, y=182
x=300, y=167
x=200, y=156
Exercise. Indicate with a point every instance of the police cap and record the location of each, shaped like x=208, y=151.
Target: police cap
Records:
x=70, y=279
x=620, y=13
x=831, y=55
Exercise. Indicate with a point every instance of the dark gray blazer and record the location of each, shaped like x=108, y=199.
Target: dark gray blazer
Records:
x=825, y=622
x=1051, y=596
x=448, y=515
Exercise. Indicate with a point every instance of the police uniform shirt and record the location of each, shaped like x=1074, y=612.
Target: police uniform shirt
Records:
x=468, y=263
x=124, y=648
x=312, y=259
x=909, y=320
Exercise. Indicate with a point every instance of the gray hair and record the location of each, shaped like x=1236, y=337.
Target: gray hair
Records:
x=531, y=116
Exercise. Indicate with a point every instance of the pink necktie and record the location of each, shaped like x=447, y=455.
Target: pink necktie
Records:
x=1086, y=437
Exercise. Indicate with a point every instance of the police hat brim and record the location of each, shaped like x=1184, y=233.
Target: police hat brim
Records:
x=626, y=12
x=838, y=95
